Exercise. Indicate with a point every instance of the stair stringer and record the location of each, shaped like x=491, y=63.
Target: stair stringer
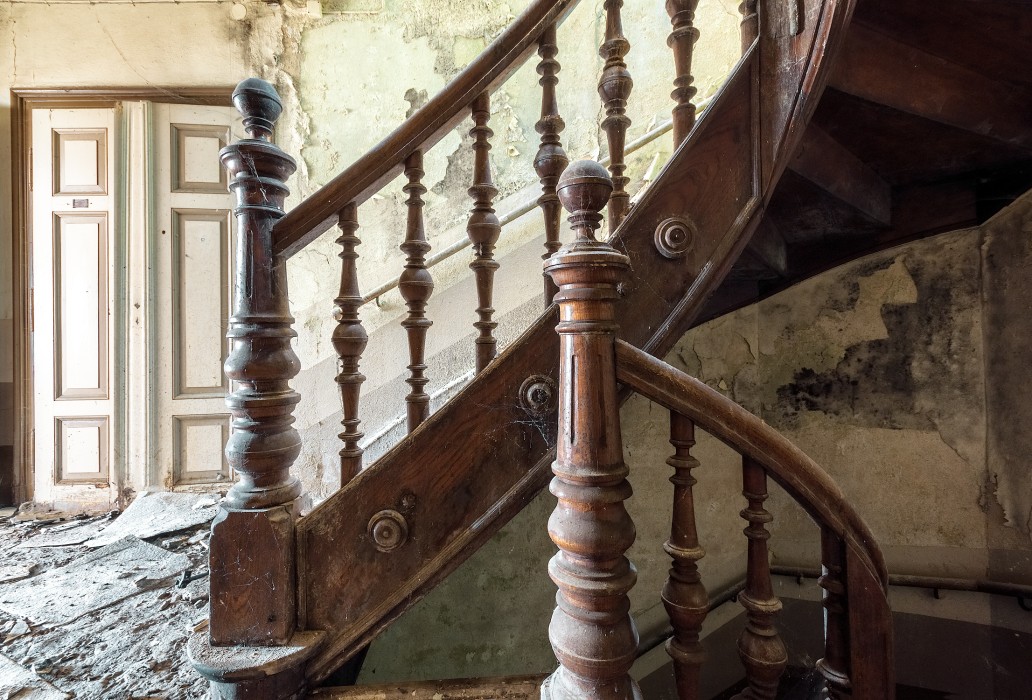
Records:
x=482, y=457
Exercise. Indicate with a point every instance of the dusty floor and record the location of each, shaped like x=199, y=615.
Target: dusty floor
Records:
x=127, y=638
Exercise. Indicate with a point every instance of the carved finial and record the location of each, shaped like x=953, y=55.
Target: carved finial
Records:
x=260, y=105
x=584, y=190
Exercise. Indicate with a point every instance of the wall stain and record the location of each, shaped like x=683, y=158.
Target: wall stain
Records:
x=911, y=379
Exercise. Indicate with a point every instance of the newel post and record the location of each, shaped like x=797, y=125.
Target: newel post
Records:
x=591, y=631
x=252, y=552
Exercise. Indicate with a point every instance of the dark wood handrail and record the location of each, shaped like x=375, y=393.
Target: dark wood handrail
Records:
x=385, y=161
x=744, y=432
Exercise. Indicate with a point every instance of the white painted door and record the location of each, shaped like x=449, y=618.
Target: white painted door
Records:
x=193, y=275
x=131, y=274
x=73, y=296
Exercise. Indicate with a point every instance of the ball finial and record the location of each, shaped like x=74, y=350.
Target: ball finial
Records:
x=260, y=105
x=584, y=190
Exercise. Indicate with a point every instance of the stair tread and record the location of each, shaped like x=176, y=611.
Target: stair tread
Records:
x=501, y=688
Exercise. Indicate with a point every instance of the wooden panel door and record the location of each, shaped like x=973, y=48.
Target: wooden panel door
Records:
x=74, y=250
x=193, y=225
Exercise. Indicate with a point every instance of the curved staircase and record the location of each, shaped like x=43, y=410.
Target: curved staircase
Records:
x=759, y=193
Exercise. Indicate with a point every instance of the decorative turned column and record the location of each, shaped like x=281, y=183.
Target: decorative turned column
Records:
x=684, y=596
x=253, y=537
x=614, y=88
x=750, y=25
x=483, y=230
x=835, y=664
x=551, y=159
x=760, y=647
x=252, y=550
x=349, y=341
x=416, y=286
x=682, y=40
x=591, y=631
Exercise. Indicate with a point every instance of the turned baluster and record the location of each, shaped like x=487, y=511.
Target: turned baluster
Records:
x=416, y=286
x=750, y=25
x=483, y=230
x=551, y=159
x=591, y=630
x=252, y=536
x=349, y=340
x=760, y=647
x=835, y=664
x=684, y=596
x=682, y=40
x=615, y=87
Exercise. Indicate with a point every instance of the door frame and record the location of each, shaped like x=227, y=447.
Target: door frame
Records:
x=23, y=102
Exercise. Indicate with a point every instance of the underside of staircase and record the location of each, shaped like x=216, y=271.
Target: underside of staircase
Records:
x=846, y=128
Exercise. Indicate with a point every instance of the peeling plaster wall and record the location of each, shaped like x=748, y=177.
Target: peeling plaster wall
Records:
x=397, y=57
x=904, y=374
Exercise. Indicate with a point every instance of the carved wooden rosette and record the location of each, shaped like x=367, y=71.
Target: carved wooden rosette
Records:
x=760, y=647
x=349, y=340
x=750, y=23
x=682, y=40
x=483, y=230
x=835, y=664
x=684, y=596
x=252, y=537
x=591, y=630
x=614, y=88
x=551, y=159
x=416, y=286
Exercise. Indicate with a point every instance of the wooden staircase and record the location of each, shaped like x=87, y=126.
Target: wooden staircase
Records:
x=752, y=200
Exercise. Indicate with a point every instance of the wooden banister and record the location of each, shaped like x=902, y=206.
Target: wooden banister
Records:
x=858, y=658
x=385, y=161
x=747, y=434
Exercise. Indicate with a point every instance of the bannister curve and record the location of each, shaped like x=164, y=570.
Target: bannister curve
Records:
x=385, y=161
x=744, y=432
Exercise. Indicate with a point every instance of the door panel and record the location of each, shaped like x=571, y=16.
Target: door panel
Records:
x=193, y=217
x=73, y=303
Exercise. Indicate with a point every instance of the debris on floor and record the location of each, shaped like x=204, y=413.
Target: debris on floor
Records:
x=16, y=681
x=100, y=607
x=153, y=514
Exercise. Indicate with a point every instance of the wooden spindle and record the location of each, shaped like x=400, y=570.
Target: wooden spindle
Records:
x=682, y=40
x=349, y=340
x=252, y=537
x=684, y=596
x=760, y=647
x=416, y=286
x=551, y=159
x=835, y=664
x=750, y=25
x=614, y=88
x=591, y=631
x=483, y=230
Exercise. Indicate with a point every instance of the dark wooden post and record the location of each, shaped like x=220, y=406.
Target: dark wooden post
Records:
x=551, y=159
x=349, y=340
x=257, y=527
x=483, y=230
x=416, y=286
x=760, y=647
x=682, y=40
x=615, y=88
x=835, y=664
x=684, y=596
x=591, y=630
x=750, y=23
x=252, y=551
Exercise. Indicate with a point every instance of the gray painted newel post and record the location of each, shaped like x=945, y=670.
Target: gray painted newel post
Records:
x=261, y=506
x=253, y=552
